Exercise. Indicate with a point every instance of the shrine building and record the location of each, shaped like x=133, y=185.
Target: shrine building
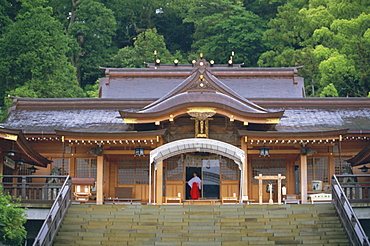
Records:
x=151, y=128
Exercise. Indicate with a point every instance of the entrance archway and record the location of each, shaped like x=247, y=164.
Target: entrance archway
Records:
x=196, y=145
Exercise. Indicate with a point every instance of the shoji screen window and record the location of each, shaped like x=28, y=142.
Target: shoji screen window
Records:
x=317, y=169
x=85, y=168
x=63, y=164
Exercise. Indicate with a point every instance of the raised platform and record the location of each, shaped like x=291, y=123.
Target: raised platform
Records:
x=202, y=202
x=115, y=200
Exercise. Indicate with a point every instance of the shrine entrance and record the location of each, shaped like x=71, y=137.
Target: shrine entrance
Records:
x=209, y=172
x=207, y=157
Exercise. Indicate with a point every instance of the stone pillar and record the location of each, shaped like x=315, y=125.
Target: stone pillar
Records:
x=159, y=184
x=303, y=179
x=99, y=180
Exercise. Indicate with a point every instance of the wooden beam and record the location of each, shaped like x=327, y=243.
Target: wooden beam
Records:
x=123, y=152
x=277, y=151
x=260, y=177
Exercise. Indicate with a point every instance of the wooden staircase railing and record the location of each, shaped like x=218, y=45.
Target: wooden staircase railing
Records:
x=348, y=217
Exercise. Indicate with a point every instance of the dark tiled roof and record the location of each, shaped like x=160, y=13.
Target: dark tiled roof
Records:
x=266, y=87
x=299, y=115
x=93, y=120
x=207, y=89
x=209, y=97
x=132, y=88
x=155, y=82
x=154, y=88
x=354, y=119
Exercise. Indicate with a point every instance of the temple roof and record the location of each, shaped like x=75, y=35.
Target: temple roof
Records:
x=156, y=81
x=158, y=91
x=18, y=143
x=202, y=89
x=363, y=157
x=43, y=116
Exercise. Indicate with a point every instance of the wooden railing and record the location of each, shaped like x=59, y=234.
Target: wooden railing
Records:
x=53, y=220
x=42, y=189
x=347, y=189
x=56, y=190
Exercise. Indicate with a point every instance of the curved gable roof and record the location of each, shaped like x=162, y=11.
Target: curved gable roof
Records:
x=200, y=80
x=202, y=89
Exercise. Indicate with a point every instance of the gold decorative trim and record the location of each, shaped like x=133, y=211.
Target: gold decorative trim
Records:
x=202, y=109
x=130, y=120
x=10, y=137
x=201, y=113
x=273, y=121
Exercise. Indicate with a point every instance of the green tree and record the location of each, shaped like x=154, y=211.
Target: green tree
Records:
x=170, y=23
x=134, y=17
x=143, y=51
x=351, y=38
x=341, y=72
x=283, y=31
x=266, y=9
x=329, y=91
x=12, y=219
x=348, y=9
x=335, y=50
x=5, y=19
x=92, y=25
x=223, y=26
x=33, y=55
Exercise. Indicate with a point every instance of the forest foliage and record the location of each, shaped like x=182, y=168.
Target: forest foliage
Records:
x=12, y=220
x=54, y=48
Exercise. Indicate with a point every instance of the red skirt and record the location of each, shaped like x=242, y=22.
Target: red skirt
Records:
x=194, y=192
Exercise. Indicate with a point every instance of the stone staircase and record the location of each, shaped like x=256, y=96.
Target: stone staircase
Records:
x=198, y=225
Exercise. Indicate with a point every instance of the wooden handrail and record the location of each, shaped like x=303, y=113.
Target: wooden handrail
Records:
x=54, y=218
x=346, y=213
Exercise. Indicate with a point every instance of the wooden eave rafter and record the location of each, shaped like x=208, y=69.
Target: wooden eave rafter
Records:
x=111, y=136
x=76, y=103
x=26, y=149
x=179, y=110
x=314, y=102
x=165, y=70
x=301, y=136
x=363, y=157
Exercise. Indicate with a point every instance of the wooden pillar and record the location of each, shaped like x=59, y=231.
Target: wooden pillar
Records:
x=245, y=167
x=99, y=180
x=303, y=179
x=150, y=184
x=106, y=176
x=279, y=188
x=159, y=184
x=1, y=169
x=260, y=189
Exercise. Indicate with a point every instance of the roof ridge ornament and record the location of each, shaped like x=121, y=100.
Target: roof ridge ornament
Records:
x=201, y=64
x=202, y=84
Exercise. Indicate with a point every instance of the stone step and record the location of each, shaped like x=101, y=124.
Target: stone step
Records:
x=201, y=225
